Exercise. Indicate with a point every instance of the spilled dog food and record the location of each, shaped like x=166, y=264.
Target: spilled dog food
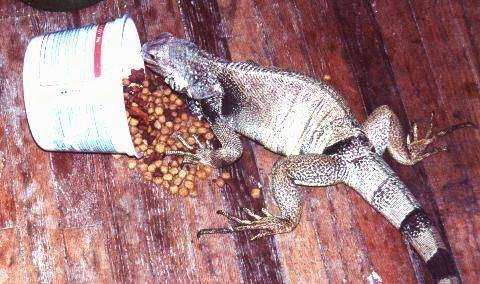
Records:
x=160, y=121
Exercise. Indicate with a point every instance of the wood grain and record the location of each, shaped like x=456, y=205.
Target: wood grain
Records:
x=85, y=218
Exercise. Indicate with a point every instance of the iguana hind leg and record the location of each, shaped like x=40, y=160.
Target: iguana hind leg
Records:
x=287, y=174
x=384, y=131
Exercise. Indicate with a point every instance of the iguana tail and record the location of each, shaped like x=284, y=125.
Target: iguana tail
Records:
x=425, y=238
x=382, y=188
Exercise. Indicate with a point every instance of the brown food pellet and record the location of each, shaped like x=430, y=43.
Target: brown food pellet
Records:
x=191, y=140
x=202, y=130
x=143, y=167
x=173, y=171
x=132, y=164
x=182, y=191
x=157, y=124
x=167, y=176
x=143, y=147
x=177, y=181
x=157, y=180
x=151, y=168
x=255, y=192
x=173, y=189
x=182, y=173
x=138, y=141
x=208, y=135
x=225, y=175
x=160, y=148
x=208, y=170
x=164, y=169
x=165, y=184
x=148, y=175
x=188, y=184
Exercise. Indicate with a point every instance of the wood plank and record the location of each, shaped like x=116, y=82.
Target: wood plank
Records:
x=10, y=263
x=7, y=210
x=86, y=254
x=437, y=49
x=37, y=219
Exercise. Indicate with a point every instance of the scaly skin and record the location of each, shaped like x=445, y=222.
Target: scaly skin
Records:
x=309, y=123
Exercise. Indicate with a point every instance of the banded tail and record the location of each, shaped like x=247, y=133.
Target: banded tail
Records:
x=388, y=194
x=425, y=238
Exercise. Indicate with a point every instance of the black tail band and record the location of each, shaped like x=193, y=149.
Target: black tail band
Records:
x=441, y=265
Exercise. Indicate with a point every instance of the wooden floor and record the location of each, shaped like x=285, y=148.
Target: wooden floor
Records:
x=86, y=218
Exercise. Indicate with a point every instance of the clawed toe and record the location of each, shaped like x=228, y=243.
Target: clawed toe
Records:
x=192, y=158
x=417, y=146
x=268, y=224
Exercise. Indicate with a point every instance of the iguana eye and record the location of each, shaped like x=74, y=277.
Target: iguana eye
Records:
x=151, y=56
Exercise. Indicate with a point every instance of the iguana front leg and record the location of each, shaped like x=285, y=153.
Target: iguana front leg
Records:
x=384, y=131
x=230, y=150
x=287, y=174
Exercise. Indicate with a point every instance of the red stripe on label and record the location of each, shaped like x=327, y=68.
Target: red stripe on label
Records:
x=97, y=53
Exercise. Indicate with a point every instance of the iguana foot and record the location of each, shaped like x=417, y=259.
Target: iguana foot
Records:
x=417, y=147
x=268, y=224
x=202, y=154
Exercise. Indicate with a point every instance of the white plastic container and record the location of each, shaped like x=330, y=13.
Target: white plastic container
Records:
x=73, y=91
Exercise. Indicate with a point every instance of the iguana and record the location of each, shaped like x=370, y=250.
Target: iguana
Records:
x=309, y=123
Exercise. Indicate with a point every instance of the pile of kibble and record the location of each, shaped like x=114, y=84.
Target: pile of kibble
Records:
x=156, y=115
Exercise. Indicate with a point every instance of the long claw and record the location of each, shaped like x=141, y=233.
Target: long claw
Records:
x=233, y=218
x=179, y=153
x=215, y=231
x=261, y=235
x=268, y=225
x=209, y=144
x=198, y=142
x=415, y=131
x=251, y=214
x=189, y=160
x=452, y=128
x=433, y=152
x=430, y=126
x=438, y=150
x=266, y=212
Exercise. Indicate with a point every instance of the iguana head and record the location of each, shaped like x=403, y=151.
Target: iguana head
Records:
x=184, y=66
